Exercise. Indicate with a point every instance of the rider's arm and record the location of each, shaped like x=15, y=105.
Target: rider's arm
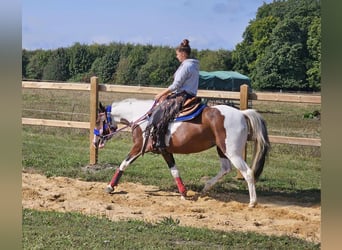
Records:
x=164, y=92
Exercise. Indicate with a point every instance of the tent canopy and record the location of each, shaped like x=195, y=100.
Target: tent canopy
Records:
x=222, y=80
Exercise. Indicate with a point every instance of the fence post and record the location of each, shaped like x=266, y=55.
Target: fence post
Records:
x=243, y=106
x=94, y=99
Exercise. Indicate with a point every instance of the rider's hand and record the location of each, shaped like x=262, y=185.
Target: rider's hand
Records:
x=157, y=97
x=161, y=94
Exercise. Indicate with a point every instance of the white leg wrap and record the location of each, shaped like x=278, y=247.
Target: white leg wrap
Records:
x=174, y=172
x=124, y=164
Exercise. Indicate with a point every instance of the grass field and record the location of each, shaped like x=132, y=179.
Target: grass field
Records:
x=291, y=171
x=51, y=230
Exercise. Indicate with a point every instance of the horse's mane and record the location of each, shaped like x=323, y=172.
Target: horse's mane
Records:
x=130, y=101
x=130, y=109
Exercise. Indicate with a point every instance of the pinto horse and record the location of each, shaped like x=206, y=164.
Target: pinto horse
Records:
x=222, y=126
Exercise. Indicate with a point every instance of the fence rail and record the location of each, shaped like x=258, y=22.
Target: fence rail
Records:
x=55, y=123
x=276, y=97
x=94, y=87
x=86, y=125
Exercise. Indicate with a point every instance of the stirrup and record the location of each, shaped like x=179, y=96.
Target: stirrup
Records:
x=159, y=147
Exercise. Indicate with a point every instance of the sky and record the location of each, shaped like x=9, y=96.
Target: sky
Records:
x=207, y=24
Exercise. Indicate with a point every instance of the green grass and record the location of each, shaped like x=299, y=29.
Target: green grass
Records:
x=52, y=230
x=291, y=171
x=290, y=119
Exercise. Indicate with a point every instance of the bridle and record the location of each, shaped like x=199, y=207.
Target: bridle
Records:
x=108, y=129
x=104, y=127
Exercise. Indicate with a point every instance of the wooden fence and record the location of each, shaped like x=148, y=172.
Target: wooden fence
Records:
x=94, y=87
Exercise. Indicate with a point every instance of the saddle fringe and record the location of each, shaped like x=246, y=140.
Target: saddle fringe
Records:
x=166, y=111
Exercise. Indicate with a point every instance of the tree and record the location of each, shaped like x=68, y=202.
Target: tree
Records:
x=282, y=66
x=256, y=40
x=97, y=50
x=80, y=60
x=129, y=66
x=314, y=48
x=160, y=67
x=215, y=60
x=57, y=67
x=25, y=59
x=105, y=67
x=36, y=64
x=241, y=58
x=275, y=52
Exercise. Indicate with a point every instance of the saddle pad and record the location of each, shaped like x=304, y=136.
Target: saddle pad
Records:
x=192, y=115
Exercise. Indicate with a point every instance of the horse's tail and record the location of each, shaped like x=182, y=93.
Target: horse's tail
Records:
x=257, y=133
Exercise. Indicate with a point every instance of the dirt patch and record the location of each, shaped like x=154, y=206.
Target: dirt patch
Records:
x=135, y=201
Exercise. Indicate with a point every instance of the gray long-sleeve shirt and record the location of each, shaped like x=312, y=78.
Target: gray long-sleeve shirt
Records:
x=186, y=77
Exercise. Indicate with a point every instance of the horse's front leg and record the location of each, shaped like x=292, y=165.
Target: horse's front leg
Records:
x=168, y=157
x=131, y=157
x=119, y=171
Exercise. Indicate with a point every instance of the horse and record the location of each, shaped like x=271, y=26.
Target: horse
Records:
x=222, y=126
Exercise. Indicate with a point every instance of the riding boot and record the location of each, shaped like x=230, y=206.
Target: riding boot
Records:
x=160, y=142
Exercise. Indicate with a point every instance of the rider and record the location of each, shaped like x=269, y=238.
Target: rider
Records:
x=183, y=87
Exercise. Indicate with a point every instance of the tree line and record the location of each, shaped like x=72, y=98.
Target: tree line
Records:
x=280, y=50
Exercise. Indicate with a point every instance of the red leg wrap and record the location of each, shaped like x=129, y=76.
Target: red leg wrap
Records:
x=116, y=177
x=180, y=185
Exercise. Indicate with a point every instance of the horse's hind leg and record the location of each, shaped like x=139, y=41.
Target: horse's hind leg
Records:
x=225, y=169
x=248, y=174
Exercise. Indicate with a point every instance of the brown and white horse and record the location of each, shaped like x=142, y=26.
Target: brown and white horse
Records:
x=222, y=126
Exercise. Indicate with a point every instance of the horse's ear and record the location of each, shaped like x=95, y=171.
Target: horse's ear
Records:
x=101, y=107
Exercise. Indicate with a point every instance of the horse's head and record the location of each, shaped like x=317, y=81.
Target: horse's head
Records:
x=104, y=127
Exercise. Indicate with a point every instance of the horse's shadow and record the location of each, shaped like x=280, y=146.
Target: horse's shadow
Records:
x=118, y=193
x=303, y=198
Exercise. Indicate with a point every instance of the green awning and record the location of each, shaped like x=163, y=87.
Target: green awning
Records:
x=222, y=80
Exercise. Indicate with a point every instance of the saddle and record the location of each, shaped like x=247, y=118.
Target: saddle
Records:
x=171, y=110
x=190, y=106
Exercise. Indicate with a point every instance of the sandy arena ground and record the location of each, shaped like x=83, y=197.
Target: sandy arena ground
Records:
x=272, y=216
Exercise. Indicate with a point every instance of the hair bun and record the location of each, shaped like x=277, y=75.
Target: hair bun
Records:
x=185, y=43
x=184, y=47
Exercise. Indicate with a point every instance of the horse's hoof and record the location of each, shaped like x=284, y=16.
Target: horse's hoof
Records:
x=109, y=189
x=252, y=204
x=204, y=193
x=183, y=197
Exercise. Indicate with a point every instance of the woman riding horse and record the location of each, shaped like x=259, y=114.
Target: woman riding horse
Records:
x=171, y=100
x=222, y=126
